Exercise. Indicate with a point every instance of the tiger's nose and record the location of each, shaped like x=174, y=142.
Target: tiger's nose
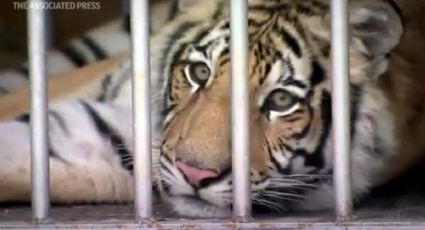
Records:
x=194, y=174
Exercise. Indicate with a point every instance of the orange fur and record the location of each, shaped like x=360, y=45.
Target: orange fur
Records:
x=80, y=83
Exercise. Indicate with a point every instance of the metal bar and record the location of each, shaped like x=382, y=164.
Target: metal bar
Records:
x=341, y=109
x=39, y=138
x=240, y=110
x=141, y=109
x=223, y=225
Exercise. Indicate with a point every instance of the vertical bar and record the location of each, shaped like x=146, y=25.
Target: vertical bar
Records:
x=141, y=108
x=39, y=156
x=341, y=109
x=240, y=110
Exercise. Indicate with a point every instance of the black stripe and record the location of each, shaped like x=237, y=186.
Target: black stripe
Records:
x=203, y=49
x=75, y=56
x=218, y=11
x=60, y=121
x=166, y=157
x=316, y=158
x=254, y=23
x=225, y=26
x=54, y=155
x=291, y=42
x=293, y=82
x=224, y=61
x=398, y=10
x=356, y=98
x=317, y=74
x=202, y=35
x=164, y=167
x=224, y=52
x=106, y=83
x=174, y=10
x=97, y=51
x=290, y=65
x=306, y=128
x=267, y=69
x=302, y=9
x=283, y=171
x=24, y=118
x=108, y=133
x=116, y=87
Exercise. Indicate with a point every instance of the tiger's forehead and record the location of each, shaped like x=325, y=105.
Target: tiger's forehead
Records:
x=278, y=44
x=287, y=16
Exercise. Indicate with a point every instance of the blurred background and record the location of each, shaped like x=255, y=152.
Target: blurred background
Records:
x=64, y=25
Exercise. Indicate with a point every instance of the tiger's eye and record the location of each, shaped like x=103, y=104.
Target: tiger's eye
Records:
x=199, y=72
x=280, y=100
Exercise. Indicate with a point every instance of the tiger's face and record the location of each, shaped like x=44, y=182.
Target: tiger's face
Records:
x=289, y=98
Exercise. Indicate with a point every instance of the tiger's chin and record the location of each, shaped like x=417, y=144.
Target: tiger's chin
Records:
x=193, y=207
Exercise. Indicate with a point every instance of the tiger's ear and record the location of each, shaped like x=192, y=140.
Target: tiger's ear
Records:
x=376, y=26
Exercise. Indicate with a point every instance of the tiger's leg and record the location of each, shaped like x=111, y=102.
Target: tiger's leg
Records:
x=89, y=154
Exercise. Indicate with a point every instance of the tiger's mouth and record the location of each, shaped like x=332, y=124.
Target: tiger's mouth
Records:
x=212, y=197
x=191, y=206
x=194, y=206
x=270, y=200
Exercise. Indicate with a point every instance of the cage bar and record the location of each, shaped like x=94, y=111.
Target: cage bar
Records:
x=240, y=110
x=141, y=109
x=39, y=138
x=341, y=109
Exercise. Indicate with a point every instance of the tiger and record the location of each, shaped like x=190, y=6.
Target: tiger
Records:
x=99, y=43
x=290, y=120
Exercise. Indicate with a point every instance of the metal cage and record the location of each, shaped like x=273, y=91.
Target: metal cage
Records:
x=240, y=132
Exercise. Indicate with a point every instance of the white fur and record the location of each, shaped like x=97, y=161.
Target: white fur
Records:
x=74, y=175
